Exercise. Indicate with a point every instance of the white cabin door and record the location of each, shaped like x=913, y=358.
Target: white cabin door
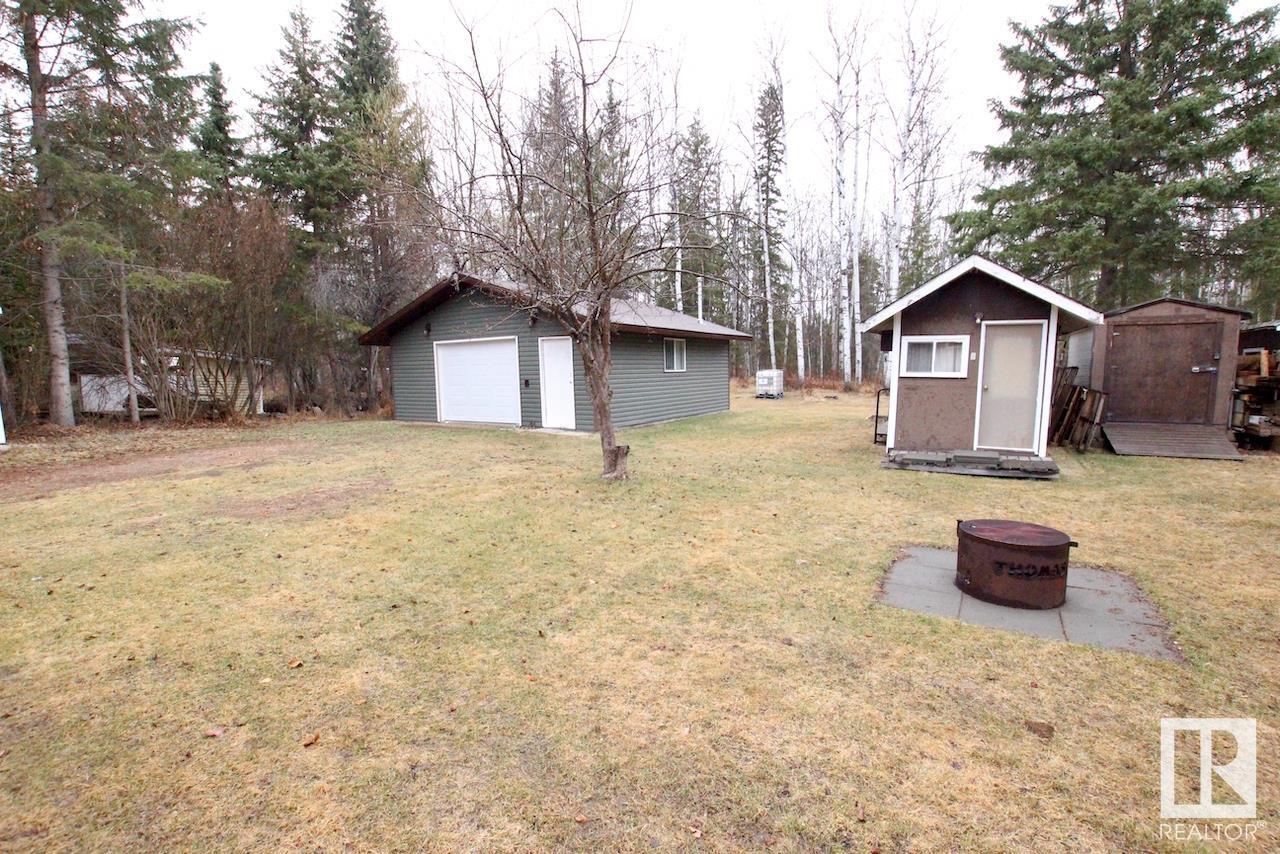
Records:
x=555, y=371
x=1009, y=385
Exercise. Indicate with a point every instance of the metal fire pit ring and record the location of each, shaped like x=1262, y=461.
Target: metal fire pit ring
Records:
x=1012, y=563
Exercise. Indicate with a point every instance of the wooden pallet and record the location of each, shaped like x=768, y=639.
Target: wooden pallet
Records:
x=1089, y=420
x=1063, y=415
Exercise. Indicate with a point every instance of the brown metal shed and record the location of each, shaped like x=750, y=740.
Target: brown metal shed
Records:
x=1170, y=365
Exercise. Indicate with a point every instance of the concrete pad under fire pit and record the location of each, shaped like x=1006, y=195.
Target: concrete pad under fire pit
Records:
x=1103, y=608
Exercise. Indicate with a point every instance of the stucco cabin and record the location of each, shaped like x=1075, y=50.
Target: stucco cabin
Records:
x=471, y=351
x=972, y=366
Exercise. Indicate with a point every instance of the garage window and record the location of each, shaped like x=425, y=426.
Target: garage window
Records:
x=673, y=355
x=936, y=356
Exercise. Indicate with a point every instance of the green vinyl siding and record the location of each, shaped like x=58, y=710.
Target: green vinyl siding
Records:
x=642, y=391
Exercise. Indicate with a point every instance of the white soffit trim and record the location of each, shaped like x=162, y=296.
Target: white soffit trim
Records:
x=1004, y=274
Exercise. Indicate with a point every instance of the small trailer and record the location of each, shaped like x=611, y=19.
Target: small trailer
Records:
x=769, y=384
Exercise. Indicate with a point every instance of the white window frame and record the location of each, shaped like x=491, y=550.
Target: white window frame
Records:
x=682, y=352
x=934, y=340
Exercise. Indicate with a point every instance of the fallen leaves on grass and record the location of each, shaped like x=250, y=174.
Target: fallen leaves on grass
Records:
x=311, y=739
x=295, y=663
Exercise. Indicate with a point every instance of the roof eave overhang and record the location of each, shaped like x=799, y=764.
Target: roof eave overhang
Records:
x=1225, y=309
x=638, y=329
x=983, y=265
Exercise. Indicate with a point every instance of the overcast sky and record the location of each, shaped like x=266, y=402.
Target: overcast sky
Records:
x=717, y=45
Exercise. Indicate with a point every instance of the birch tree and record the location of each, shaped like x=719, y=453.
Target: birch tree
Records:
x=846, y=113
x=914, y=137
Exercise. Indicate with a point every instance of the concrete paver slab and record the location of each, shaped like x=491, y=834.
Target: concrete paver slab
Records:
x=924, y=601
x=1028, y=621
x=1103, y=608
x=930, y=556
x=913, y=572
x=1118, y=606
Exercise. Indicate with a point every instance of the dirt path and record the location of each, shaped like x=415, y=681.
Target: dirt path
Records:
x=34, y=482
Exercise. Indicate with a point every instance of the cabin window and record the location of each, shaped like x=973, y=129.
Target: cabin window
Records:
x=936, y=356
x=673, y=355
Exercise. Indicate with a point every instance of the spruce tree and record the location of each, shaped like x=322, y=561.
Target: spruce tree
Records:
x=1142, y=147
x=366, y=61
x=220, y=153
x=64, y=58
x=300, y=164
x=697, y=192
x=771, y=151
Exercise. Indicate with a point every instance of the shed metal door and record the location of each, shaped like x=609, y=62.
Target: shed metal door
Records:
x=1162, y=371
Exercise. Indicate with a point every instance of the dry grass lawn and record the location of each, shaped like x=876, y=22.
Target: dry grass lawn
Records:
x=373, y=635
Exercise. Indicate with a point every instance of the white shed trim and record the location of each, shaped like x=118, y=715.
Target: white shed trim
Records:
x=891, y=427
x=1004, y=274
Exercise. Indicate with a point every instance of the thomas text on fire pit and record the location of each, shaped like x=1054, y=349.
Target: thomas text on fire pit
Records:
x=1017, y=564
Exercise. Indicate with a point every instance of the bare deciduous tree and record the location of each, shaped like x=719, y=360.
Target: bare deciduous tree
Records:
x=916, y=137
x=555, y=194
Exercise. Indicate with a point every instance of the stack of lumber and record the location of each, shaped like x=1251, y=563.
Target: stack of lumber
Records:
x=1258, y=395
x=1258, y=369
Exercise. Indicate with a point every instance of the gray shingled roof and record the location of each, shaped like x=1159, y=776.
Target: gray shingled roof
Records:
x=641, y=314
x=629, y=315
x=633, y=312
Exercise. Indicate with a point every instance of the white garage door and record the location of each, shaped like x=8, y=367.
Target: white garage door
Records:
x=478, y=381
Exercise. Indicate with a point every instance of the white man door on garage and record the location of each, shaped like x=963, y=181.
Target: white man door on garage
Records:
x=478, y=381
x=555, y=370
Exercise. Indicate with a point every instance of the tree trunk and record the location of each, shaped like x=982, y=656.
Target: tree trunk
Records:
x=1107, y=287
x=799, y=312
x=894, y=236
x=842, y=240
x=6, y=403
x=60, y=409
x=595, y=345
x=855, y=239
x=291, y=387
x=679, y=272
x=126, y=346
x=768, y=280
x=332, y=402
